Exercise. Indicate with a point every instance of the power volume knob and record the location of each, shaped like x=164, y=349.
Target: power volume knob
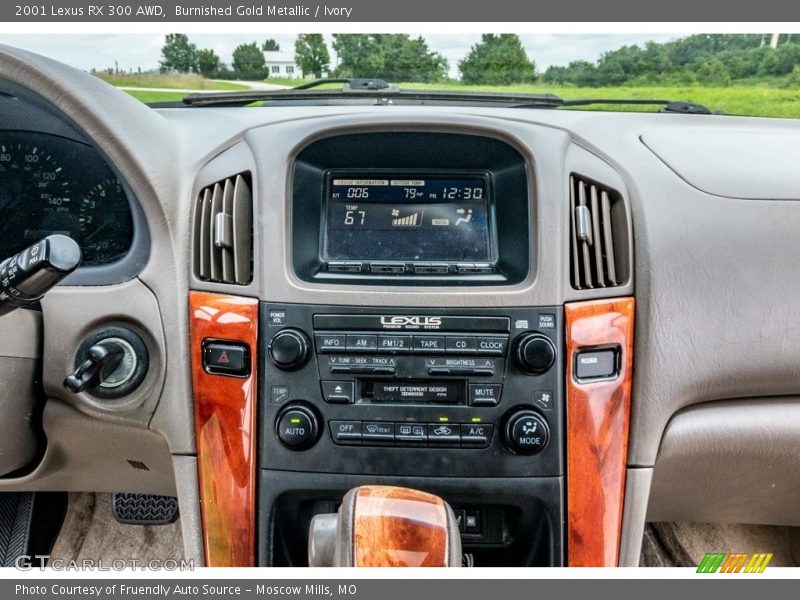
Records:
x=289, y=349
x=534, y=353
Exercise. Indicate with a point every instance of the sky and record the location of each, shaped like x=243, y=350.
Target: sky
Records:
x=143, y=51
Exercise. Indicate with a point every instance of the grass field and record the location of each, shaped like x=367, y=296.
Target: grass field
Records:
x=151, y=97
x=184, y=82
x=754, y=100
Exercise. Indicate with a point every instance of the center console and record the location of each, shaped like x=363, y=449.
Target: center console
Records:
x=465, y=403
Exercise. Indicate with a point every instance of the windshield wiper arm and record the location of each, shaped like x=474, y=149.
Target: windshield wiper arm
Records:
x=668, y=106
x=353, y=89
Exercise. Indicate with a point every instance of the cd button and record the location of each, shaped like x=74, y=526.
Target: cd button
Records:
x=362, y=343
x=461, y=344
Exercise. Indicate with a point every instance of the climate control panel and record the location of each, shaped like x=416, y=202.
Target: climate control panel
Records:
x=393, y=391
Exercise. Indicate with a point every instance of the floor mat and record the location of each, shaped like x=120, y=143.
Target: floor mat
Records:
x=16, y=515
x=685, y=544
x=90, y=532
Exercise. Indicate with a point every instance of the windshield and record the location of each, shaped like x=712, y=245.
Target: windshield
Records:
x=731, y=74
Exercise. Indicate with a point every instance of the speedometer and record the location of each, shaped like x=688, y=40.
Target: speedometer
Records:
x=51, y=184
x=35, y=199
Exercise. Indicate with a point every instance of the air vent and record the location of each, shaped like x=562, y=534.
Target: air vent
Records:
x=599, y=235
x=223, y=232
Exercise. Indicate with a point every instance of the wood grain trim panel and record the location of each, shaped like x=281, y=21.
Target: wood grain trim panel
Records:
x=225, y=427
x=399, y=527
x=597, y=433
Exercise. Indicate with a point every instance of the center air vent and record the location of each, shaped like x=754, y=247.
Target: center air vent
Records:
x=223, y=232
x=599, y=232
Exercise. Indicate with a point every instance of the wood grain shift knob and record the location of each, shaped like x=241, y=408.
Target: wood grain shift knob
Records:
x=385, y=526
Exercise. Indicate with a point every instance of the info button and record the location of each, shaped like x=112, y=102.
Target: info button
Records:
x=331, y=342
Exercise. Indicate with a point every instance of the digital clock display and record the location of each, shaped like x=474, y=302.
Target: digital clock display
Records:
x=407, y=217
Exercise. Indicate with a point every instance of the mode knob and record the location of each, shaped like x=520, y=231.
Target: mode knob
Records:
x=526, y=432
x=297, y=427
x=289, y=349
x=534, y=353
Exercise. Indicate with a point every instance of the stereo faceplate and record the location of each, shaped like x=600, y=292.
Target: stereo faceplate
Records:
x=425, y=392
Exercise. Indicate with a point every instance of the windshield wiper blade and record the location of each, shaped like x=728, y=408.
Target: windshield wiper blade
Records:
x=668, y=106
x=244, y=98
x=350, y=84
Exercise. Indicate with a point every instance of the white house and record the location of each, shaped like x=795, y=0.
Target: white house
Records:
x=282, y=64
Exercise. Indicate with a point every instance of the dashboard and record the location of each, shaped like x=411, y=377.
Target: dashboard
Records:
x=442, y=297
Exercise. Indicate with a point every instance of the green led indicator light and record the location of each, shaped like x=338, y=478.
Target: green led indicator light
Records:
x=294, y=420
x=444, y=419
x=476, y=419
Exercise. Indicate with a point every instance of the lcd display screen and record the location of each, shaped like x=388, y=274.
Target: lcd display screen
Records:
x=410, y=217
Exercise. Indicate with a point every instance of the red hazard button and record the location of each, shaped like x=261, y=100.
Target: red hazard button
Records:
x=226, y=358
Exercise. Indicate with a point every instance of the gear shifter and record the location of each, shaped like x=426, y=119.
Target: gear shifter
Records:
x=28, y=275
x=386, y=526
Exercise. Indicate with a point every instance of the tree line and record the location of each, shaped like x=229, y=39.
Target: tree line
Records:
x=500, y=59
x=496, y=59
x=707, y=59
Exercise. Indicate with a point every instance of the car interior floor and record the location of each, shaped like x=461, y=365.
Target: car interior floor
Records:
x=685, y=544
x=90, y=531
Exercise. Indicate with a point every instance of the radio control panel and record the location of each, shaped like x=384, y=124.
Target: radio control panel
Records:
x=393, y=391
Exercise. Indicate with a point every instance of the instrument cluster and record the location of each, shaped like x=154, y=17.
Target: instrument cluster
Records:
x=55, y=185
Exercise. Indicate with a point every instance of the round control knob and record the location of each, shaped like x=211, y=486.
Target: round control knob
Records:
x=288, y=349
x=534, y=353
x=527, y=432
x=297, y=427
